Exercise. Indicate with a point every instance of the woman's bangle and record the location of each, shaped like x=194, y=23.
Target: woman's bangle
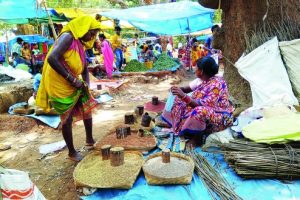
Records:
x=67, y=76
x=187, y=99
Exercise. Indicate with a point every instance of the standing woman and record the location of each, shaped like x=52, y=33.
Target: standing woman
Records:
x=108, y=55
x=61, y=86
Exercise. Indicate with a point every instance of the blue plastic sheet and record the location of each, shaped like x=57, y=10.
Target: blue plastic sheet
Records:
x=52, y=121
x=266, y=189
x=166, y=19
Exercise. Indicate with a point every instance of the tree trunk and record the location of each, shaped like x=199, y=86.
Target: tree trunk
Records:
x=240, y=17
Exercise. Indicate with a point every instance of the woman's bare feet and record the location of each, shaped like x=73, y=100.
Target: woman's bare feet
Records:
x=76, y=157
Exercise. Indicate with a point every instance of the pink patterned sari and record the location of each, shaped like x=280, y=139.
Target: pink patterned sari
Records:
x=214, y=113
x=108, y=55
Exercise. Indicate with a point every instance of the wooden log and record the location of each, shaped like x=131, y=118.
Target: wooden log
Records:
x=121, y=132
x=165, y=155
x=139, y=110
x=99, y=87
x=155, y=100
x=141, y=133
x=128, y=130
x=129, y=119
x=146, y=119
x=105, y=151
x=116, y=156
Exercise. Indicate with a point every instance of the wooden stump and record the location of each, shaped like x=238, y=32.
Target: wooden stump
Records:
x=122, y=132
x=139, y=110
x=146, y=119
x=99, y=87
x=129, y=119
x=116, y=156
x=105, y=151
x=155, y=100
x=128, y=130
x=165, y=155
x=141, y=133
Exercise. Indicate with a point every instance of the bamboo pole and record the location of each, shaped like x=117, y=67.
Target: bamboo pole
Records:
x=50, y=20
x=6, y=48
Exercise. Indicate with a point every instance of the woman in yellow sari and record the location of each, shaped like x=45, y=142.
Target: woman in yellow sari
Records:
x=61, y=86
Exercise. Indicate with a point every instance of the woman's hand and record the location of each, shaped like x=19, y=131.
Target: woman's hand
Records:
x=177, y=91
x=77, y=83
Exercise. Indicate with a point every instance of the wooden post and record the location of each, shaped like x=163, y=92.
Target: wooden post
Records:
x=140, y=110
x=129, y=119
x=121, y=132
x=165, y=155
x=105, y=151
x=116, y=156
x=141, y=133
x=146, y=120
x=50, y=20
x=155, y=100
x=99, y=87
x=128, y=130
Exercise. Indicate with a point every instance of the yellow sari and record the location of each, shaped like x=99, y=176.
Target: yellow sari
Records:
x=54, y=89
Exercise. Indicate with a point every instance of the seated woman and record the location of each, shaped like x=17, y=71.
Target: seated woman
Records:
x=208, y=109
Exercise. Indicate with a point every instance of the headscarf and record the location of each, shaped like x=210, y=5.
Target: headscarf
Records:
x=80, y=26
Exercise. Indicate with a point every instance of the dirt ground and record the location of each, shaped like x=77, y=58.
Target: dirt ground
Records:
x=53, y=174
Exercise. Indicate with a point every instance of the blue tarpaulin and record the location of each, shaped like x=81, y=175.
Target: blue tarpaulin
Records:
x=266, y=189
x=166, y=19
x=25, y=11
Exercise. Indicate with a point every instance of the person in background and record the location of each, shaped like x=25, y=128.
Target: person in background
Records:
x=158, y=46
x=149, y=55
x=35, y=50
x=116, y=42
x=169, y=49
x=209, y=40
x=156, y=52
x=208, y=109
x=61, y=86
x=187, y=56
x=16, y=48
x=108, y=55
x=136, y=40
x=25, y=52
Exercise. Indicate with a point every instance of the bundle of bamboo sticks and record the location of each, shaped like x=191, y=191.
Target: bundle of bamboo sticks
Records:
x=216, y=184
x=253, y=160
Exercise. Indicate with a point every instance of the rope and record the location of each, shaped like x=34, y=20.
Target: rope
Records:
x=276, y=161
x=292, y=155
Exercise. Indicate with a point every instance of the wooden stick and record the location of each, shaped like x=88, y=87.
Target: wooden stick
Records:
x=129, y=119
x=165, y=155
x=105, y=149
x=116, y=156
x=50, y=20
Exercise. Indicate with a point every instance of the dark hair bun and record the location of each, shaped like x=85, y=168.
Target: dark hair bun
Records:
x=208, y=65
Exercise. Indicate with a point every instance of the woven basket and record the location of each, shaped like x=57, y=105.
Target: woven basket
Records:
x=183, y=180
x=100, y=174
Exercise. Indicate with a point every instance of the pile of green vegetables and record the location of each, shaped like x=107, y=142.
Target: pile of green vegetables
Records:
x=164, y=62
x=135, y=66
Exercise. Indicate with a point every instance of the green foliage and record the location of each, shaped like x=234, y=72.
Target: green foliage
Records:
x=217, y=16
x=5, y=27
x=135, y=66
x=79, y=4
x=164, y=62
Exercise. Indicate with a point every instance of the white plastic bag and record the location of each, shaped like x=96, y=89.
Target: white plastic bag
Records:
x=290, y=52
x=268, y=78
x=16, y=184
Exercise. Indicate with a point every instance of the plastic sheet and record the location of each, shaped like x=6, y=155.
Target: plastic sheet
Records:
x=266, y=189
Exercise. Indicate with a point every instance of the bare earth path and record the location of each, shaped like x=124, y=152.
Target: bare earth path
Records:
x=54, y=174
